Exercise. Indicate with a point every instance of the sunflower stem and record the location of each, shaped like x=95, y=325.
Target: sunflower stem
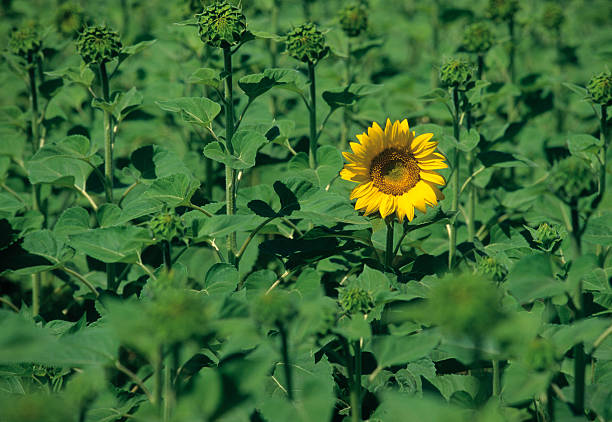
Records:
x=312, y=158
x=230, y=177
x=345, y=117
x=286, y=362
x=356, y=384
x=511, y=66
x=471, y=204
x=452, y=233
x=389, y=245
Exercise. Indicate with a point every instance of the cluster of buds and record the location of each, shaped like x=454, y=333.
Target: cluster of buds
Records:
x=356, y=300
x=572, y=178
x=166, y=226
x=547, y=237
x=502, y=10
x=69, y=20
x=552, y=16
x=456, y=73
x=478, y=38
x=306, y=43
x=354, y=19
x=98, y=44
x=599, y=88
x=25, y=42
x=491, y=268
x=221, y=25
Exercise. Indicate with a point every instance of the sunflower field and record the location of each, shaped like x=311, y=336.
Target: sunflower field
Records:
x=305, y=211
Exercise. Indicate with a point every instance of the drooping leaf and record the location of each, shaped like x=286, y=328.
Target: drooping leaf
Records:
x=112, y=244
x=197, y=110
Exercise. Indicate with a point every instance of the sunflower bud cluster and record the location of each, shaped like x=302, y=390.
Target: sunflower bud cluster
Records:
x=478, y=38
x=572, y=178
x=552, y=16
x=273, y=308
x=98, y=44
x=25, y=41
x=69, y=20
x=306, y=43
x=502, y=10
x=356, y=300
x=456, y=73
x=354, y=19
x=599, y=88
x=221, y=25
x=491, y=268
x=166, y=226
x=546, y=237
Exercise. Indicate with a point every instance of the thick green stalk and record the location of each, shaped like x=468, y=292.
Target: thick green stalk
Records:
x=167, y=254
x=389, y=245
x=158, y=378
x=230, y=176
x=356, y=384
x=496, y=378
x=480, y=66
x=286, y=362
x=312, y=157
x=169, y=394
x=471, y=204
x=345, y=114
x=108, y=163
x=511, y=68
x=579, y=361
x=452, y=235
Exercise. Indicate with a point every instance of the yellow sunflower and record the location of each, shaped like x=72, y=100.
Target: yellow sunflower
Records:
x=395, y=171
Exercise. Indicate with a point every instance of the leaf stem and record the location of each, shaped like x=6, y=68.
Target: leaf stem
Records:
x=230, y=176
x=356, y=383
x=139, y=382
x=251, y=236
x=81, y=279
x=496, y=378
x=389, y=245
x=452, y=232
x=312, y=158
x=286, y=362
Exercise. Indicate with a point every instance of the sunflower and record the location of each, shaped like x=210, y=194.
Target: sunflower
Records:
x=395, y=171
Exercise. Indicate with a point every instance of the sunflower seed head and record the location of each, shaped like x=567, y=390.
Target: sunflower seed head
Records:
x=456, y=72
x=98, y=44
x=306, y=43
x=221, y=25
x=354, y=19
x=478, y=38
x=600, y=88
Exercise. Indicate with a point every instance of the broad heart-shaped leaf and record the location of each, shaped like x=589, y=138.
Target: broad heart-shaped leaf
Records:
x=259, y=83
x=246, y=143
x=112, y=244
x=72, y=220
x=503, y=159
x=126, y=102
x=329, y=164
x=83, y=75
x=221, y=278
x=532, y=278
x=599, y=230
x=46, y=244
x=349, y=95
x=154, y=161
x=583, y=143
x=205, y=76
x=219, y=225
x=9, y=205
x=174, y=190
x=63, y=163
x=197, y=110
x=468, y=140
x=394, y=350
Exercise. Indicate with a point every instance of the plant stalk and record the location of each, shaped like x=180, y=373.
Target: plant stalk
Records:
x=452, y=235
x=389, y=244
x=169, y=394
x=230, y=176
x=312, y=157
x=496, y=378
x=345, y=114
x=356, y=384
x=167, y=254
x=286, y=362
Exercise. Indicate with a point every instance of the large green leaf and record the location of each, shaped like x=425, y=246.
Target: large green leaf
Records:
x=197, y=110
x=259, y=83
x=112, y=244
x=245, y=143
x=392, y=350
x=174, y=190
x=531, y=278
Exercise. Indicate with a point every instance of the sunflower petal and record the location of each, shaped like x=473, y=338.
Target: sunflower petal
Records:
x=405, y=204
x=387, y=206
x=432, y=176
x=361, y=190
x=420, y=141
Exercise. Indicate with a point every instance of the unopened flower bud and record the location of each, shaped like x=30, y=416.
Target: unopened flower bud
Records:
x=478, y=38
x=306, y=43
x=221, y=25
x=546, y=237
x=552, y=16
x=502, y=10
x=355, y=299
x=456, y=73
x=166, y=226
x=572, y=178
x=354, y=19
x=600, y=88
x=69, y=20
x=25, y=41
x=491, y=268
x=98, y=44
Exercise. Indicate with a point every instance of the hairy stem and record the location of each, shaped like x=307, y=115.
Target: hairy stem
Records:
x=356, y=384
x=345, y=114
x=496, y=378
x=286, y=363
x=389, y=244
x=230, y=176
x=312, y=158
x=452, y=232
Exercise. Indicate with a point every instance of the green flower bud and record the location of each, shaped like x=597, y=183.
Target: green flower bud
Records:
x=572, y=178
x=456, y=72
x=354, y=19
x=478, y=38
x=466, y=304
x=547, y=237
x=275, y=307
x=502, y=10
x=25, y=41
x=69, y=20
x=221, y=25
x=552, y=16
x=355, y=299
x=540, y=355
x=600, y=88
x=98, y=44
x=491, y=268
x=166, y=226
x=306, y=43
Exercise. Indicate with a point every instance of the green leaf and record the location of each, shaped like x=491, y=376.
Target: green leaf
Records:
x=9, y=204
x=153, y=161
x=205, y=76
x=72, y=220
x=108, y=215
x=437, y=95
x=580, y=90
x=599, y=230
x=135, y=48
x=531, y=278
x=329, y=164
x=197, y=110
x=261, y=208
x=46, y=244
x=503, y=159
x=259, y=83
x=349, y=95
x=126, y=102
x=468, y=140
x=392, y=350
x=174, y=190
x=583, y=143
x=112, y=244
x=449, y=384
x=82, y=76
x=521, y=385
x=221, y=278
x=246, y=143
